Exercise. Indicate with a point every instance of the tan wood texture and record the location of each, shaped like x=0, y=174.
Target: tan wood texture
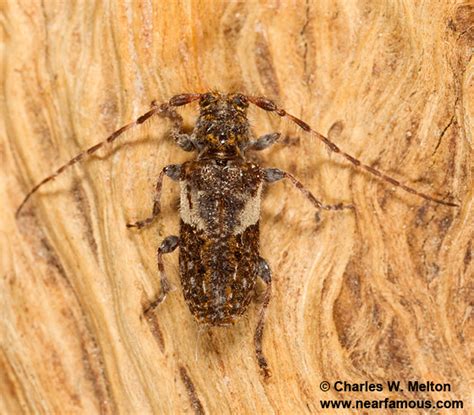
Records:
x=381, y=294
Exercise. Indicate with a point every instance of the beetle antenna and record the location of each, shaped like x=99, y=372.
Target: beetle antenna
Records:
x=176, y=101
x=268, y=105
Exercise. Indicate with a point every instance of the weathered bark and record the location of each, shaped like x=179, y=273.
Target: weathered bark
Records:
x=380, y=294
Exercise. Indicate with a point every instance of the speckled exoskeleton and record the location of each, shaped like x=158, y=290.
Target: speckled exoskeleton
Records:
x=219, y=259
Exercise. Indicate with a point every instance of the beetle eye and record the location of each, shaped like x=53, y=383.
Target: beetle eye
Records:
x=240, y=101
x=206, y=100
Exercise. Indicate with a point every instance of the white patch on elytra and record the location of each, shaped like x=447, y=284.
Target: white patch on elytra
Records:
x=190, y=214
x=250, y=213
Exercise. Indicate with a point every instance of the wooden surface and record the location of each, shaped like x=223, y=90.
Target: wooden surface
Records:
x=383, y=294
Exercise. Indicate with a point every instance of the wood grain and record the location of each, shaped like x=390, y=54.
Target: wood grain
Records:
x=383, y=294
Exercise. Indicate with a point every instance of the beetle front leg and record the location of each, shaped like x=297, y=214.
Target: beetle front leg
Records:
x=173, y=171
x=274, y=175
x=185, y=141
x=263, y=142
x=168, y=245
x=265, y=274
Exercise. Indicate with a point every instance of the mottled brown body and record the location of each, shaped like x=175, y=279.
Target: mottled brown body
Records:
x=218, y=278
x=219, y=257
x=219, y=237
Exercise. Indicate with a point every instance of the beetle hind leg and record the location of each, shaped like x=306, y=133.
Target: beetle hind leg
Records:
x=265, y=274
x=169, y=244
x=173, y=171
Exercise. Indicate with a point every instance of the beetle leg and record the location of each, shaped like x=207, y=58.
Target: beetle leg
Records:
x=174, y=172
x=185, y=141
x=274, y=175
x=265, y=274
x=169, y=244
x=263, y=142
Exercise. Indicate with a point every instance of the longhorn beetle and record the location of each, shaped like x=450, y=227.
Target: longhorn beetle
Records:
x=219, y=260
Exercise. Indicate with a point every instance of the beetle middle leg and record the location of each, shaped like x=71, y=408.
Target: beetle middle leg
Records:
x=174, y=172
x=274, y=175
x=169, y=244
x=265, y=274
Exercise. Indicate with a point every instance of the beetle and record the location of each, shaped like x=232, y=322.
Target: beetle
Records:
x=220, y=193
